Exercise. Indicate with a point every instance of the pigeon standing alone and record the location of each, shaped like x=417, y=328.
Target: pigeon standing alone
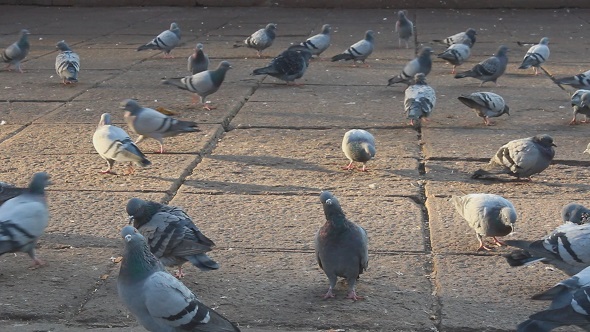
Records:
x=520, y=158
x=114, y=144
x=490, y=69
x=341, y=247
x=359, y=51
x=262, y=39
x=358, y=145
x=23, y=219
x=147, y=122
x=580, y=101
x=166, y=41
x=486, y=104
x=198, y=61
x=580, y=81
x=487, y=214
x=317, y=44
x=17, y=51
x=287, y=66
x=536, y=56
x=158, y=300
x=575, y=213
x=456, y=54
x=67, y=63
x=460, y=38
x=419, y=100
x=421, y=64
x=203, y=84
x=404, y=28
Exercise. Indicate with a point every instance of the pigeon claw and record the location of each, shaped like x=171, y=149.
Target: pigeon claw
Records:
x=329, y=294
x=209, y=108
x=353, y=296
x=179, y=274
x=37, y=263
x=483, y=247
x=108, y=171
x=498, y=242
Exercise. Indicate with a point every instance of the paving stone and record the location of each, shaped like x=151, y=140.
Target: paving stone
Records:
x=24, y=113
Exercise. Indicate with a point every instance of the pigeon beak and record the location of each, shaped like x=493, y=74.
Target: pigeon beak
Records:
x=130, y=219
x=553, y=144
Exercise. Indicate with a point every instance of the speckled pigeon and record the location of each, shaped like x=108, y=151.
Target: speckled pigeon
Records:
x=421, y=64
x=580, y=81
x=456, y=54
x=316, y=44
x=575, y=213
x=358, y=51
x=262, y=39
x=160, y=302
x=17, y=51
x=404, y=28
x=490, y=69
x=460, y=38
x=358, y=145
x=166, y=41
x=580, y=101
x=486, y=105
x=419, y=100
x=287, y=66
x=341, y=247
x=67, y=63
x=198, y=61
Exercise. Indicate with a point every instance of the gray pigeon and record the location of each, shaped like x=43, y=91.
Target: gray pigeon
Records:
x=404, y=28
x=171, y=234
x=198, y=61
x=580, y=81
x=566, y=248
x=581, y=105
x=67, y=63
x=113, y=144
x=8, y=191
x=341, y=247
x=536, y=56
x=421, y=64
x=575, y=213
x=147, y=122
x=317, y=44
x=359, y=51
x=521, y=158
x=166, y=41
x=203, y=84
x=358, y=145
x=560, y=294
x=456, y=54
x=23, y=219
x=490, y=69
x=287, y=66
x=159, y=301
x=486, y=104
x=587, y=149
x=419, y=100
x=487, y=214
x=262, y=39
x=460, y=38
x=18, y=51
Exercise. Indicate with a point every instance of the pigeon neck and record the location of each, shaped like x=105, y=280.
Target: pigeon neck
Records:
x=335, y=216
x=23, y=41
x=37, y=186
x=218, y=75
x=138, y=262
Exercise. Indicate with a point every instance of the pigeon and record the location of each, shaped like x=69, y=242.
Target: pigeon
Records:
x=203, y=84
x=359, y=51
x=566, y=248
x=575, y=213
x=486, y=104
x=23, y=219
x=421, y=64
x=166, y=41
x=490, y=69
x=488, y=214
x=358, y=145
x=67, y=63
x=587, y=149
x=114, y=144
x=520, y=158
x=8, y=191
x=580, y=81
x=262, y=39
x=287, y=66
x=581, y=104
x=198, y=61
x=456, y=54
x=341, y=247
x=419, y=100
x=317, y=44
x=147, y=122
x=536, y=56
x=171, y=234
x=17, y=52
x=460, y=38
x=404, y=28
x=159, y=301
x=560, y=294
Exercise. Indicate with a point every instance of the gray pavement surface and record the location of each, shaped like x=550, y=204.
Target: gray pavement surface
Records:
x=252, y=176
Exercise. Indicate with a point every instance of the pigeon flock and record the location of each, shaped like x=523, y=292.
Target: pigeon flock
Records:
x=166, y=236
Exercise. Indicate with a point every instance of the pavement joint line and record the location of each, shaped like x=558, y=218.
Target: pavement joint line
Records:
x=90, y=294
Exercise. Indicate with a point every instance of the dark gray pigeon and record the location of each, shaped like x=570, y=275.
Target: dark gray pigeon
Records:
x=419, y=100
x=23, y=219
x=341, y=247
x=358, y=51
x=262, y=39
x=581, y=105
x=486, y=105
x=147, y=122
x=456, y=54
x=358, y=145
x=166, y=41
x=490, y=69
x=159, y=301
x=287, y=66
x=421, y=64
x=198, y=61
x=580, y=81
x=404, y=28
x=203, y=84
x=575, y=213
x=67, y=63
x=459, y=38
x=536, y=56
x=487, y=214
x=8, y=191
x=17, y=51
x=171, y=234
x=521, y=158
x=317, y=44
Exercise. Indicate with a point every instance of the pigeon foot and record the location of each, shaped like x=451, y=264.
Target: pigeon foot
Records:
x=353, y=296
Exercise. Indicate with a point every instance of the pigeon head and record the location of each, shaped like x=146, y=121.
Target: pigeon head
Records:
x=502, y=50
x=224, y=66
x=576, y=213
x=139, y=211
x=585, y=100
x=62, y=46
x=508, y=216
x=471, y=32
x=369, y=35
x=270, y=27
x=544, y=140
x=326, y=28
x=130, y=105
x=173, y=26
x=105, y=119
x=425, y=52
x=39, y=182
x=544, y=41
x=138, y=261
x=401, y=14
x=332, y=209
x=199, y=46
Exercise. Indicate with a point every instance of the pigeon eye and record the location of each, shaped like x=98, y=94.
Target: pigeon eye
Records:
x=329, y=201
x=128, y=237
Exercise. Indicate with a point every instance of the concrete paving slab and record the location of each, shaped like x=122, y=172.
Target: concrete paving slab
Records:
x=9, y=130
x=25, y=112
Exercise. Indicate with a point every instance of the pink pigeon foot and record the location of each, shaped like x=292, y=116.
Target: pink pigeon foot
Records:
x=352, y=295
x=108, y=171
x=328, y=294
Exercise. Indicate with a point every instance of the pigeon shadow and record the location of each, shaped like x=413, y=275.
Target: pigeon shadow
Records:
x=249, y=188
x=275, y=162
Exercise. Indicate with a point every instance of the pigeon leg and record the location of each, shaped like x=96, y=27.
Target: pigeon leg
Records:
x=179, y=274
x=536, y=71
x=498, y=242
x=411, y=122
x=453, y=71
x=329, y=293
x=573, y=122
x=487, y=121
x=259, y=54
x=349, y=166
x=161, y=151
x=37, y=263
x=481, y=245
x=364, y=169
x=352, y=295
x=130, y=169
x=107, y=171
x=19, y=68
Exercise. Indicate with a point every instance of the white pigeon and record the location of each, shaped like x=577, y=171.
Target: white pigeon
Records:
x=419, y=101
x=486, y=104
x=456, y=54
x=316, y=44
x=536, y=55
x=113, y=144
x=580, y=81
x=166, y=41
x=580, y=101
x=358, y=51
x=460, y=38
x=262, y=39
x=67, y=63
x=358, y=145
